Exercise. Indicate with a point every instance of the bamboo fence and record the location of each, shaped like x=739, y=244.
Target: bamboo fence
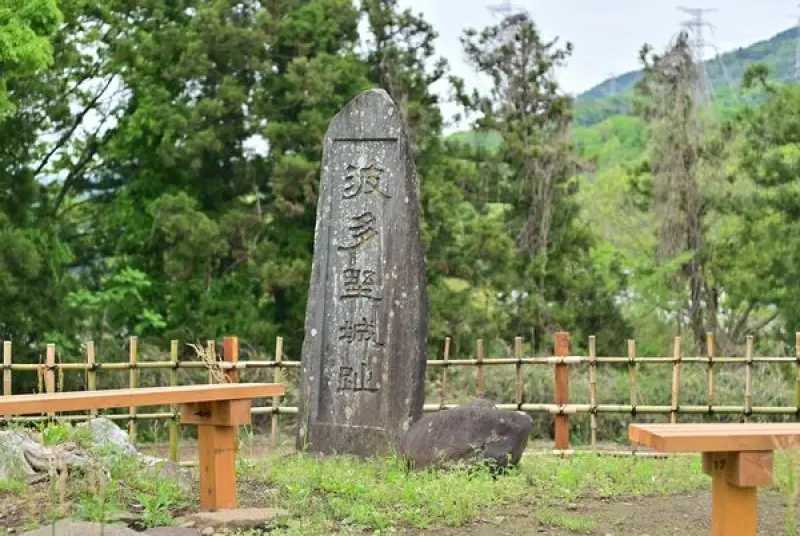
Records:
x=51, y=373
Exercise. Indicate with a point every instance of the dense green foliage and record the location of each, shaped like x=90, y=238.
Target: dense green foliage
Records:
x=159, y=166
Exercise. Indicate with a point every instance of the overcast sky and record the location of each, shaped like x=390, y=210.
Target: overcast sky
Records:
x=607, y=34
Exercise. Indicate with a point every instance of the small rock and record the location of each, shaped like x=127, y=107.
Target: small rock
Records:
x=123, y=517
x=171, y=531
x=208, y=531
x=572, y=506
x=65, y=527
x=239, y=518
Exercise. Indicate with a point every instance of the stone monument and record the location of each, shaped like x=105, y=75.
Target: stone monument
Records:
x=363, y=360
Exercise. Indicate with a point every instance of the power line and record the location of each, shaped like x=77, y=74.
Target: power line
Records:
x=696, y=25
x=612, y=81
x=504, y=8
x=500, y=9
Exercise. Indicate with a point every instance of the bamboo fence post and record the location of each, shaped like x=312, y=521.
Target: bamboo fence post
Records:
x=445, y=362
x=676, y=379
x=748, y=379
x=520, y=385
x=212, y=351
x=7, y=384
x=173, y=382
x=276, y=377
x=593, y=389
x=561, y=391
x=797, y=373
x=49, y=373
x=59, y=374
x=91, y=373
x=632, y=369
x=40, y=376
x=133, y=358
x=710, y=354
x=479, y=386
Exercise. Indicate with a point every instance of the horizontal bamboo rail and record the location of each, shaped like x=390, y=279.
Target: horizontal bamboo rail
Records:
x=552, y=360
x=50, y=376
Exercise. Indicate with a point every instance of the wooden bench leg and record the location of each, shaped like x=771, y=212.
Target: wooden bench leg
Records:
x=734, y=490
x=217, y=451
x=216, y=433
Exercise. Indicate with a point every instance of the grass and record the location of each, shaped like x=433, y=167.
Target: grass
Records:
x=575, y=523
x=345, y=494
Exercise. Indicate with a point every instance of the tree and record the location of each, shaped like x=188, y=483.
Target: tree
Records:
x=26, y=27
x=761, y=248
x=533, y=176
x=667, y=92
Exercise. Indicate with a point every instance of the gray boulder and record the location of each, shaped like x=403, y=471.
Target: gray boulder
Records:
x=110, y=442
x=473, y=432
x=22, y=457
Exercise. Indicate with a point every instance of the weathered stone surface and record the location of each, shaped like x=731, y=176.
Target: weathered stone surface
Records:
x=237, y=518
x=65, y=527
x=110, y=441
x=106, y=434
x=172, y=531
x=364, y=352
x=21, y=456
x=471, y=432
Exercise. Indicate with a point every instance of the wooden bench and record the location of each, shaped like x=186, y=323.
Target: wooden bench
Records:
x=737, y=456
x=217, y=410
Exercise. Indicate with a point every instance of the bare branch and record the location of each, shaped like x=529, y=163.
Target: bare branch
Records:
x=66, y=136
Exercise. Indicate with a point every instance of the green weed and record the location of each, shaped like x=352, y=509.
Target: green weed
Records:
x=574, y=523
x=13, y=486
x=55, y=434
x=342, y=493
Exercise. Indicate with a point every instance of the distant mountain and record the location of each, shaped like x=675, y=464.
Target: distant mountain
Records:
x=600, y=104
x=723, y=70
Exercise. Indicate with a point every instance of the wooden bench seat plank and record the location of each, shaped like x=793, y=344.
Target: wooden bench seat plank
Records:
x=124, y=398
x=728, y=426
x=723, y=437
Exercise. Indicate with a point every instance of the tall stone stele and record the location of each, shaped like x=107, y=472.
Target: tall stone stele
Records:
x=364, y=353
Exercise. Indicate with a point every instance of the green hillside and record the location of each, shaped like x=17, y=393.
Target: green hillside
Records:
x=597, y=105
x=724, y=71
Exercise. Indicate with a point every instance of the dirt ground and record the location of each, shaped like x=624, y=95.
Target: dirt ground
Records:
x=681, y=515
